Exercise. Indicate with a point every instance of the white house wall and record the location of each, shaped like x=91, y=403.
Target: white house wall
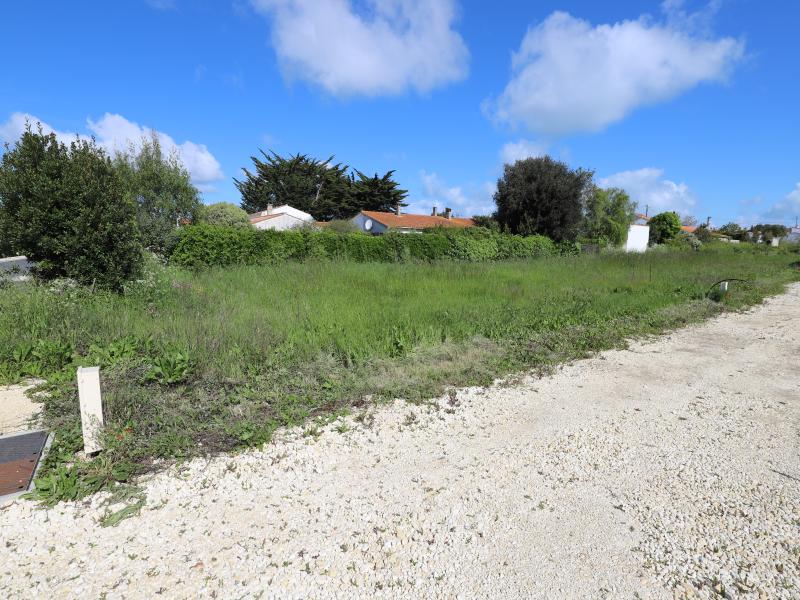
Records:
x=285, y=209
x=361, y=219
x=281, y=222
x=638, y=238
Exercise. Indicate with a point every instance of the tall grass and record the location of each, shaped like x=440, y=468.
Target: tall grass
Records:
x=248, y=349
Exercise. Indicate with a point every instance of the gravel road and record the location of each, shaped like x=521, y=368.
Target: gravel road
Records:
x=671, y=469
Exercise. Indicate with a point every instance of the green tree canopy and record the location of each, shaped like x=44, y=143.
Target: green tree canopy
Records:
x=733, y=230
x=542, y=196
x=65, y=208
x=161, y=188
x=608, y=214
x=769, y=231
x=317, y=187
x=377, y=193
x=664, y=227
x=224, y=214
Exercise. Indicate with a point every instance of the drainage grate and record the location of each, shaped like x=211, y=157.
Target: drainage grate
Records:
x=19, y=455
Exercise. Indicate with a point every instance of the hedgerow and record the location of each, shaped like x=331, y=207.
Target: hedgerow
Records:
x=201, y=246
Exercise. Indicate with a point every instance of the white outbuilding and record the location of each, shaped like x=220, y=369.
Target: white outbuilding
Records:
x=638, y=238
x=280, y=218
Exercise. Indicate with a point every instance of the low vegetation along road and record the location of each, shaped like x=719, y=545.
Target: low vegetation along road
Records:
x=671, y=469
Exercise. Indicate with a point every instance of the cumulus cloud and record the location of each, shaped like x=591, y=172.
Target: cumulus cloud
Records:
x=648, y=188
x=571, y=76
x=521, y=149
x=787, y=210
x=475, y=200
x=383, y=47
x=115, y=133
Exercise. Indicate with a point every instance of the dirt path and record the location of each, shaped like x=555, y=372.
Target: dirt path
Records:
x=668, y=470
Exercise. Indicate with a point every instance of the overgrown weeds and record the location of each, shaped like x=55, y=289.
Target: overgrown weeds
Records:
x=202, y=363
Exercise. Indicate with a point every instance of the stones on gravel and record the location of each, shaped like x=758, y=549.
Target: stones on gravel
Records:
x=664, y=471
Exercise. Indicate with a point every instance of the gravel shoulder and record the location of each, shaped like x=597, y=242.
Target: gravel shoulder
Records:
x=17, y=411
x=671, y=469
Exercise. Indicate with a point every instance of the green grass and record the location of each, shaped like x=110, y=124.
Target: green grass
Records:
x=197, y=363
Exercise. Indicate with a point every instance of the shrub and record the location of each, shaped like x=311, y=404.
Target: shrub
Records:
x=664, y=226
x=202, y=246
x=224, y=214
x=66, y=209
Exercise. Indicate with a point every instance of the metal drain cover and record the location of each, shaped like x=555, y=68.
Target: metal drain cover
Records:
x=19, y=455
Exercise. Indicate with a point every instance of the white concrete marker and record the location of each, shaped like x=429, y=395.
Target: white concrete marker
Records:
x=91, y=408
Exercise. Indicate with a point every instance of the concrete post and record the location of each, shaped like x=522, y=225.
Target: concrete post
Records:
x=91, y=408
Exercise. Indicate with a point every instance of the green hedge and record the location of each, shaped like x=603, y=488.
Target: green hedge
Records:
x=201, y=246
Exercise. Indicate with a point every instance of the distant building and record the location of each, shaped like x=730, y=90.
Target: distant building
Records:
x=280, y=218
x=638, y=238
x=793, y=235
x=376, y=223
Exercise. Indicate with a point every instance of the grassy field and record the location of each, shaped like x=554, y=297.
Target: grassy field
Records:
x=196, y=363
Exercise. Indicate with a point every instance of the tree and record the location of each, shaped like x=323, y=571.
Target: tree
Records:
x=317, y=187
x=703, y=233
x=224, y=214
x=689, y=220
x=65, y=208
x=733, y=231
x=607, y=216
x=161, y=187
x=377, y=193
x=769, y=231
x=541, y=196
x=664, y=227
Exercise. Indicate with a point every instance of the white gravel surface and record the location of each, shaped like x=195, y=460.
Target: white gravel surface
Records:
x=17, y=411
x=671, y=469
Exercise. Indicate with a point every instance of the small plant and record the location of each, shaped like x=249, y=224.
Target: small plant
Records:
x=170, y=369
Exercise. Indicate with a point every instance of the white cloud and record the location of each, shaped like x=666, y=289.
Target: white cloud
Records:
x=787, y=210
x=383, y=48
x=521, y=149
x=476, y=200
x=570, y=76
x=649, y=189
x=115, y=133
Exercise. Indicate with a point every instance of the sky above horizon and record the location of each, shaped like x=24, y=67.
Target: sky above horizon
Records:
x=688, y=105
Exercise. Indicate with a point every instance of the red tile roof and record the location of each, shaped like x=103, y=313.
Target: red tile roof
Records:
x=688, y=228
x=394, y=221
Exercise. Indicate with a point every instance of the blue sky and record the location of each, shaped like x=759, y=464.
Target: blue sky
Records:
x=688, y=105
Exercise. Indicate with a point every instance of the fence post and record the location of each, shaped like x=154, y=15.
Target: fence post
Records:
x=91, y=408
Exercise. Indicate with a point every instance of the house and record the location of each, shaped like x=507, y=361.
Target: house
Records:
x=793, y=235
x=280, y=218
x=376, y=223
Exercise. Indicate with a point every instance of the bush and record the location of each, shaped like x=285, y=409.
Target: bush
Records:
x=664, y=227
x=65, y=208
x=224, y=214
x=201, y=246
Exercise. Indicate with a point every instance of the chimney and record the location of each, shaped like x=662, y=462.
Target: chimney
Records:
x=433, y=212
x=448, y=212
x=397, y=208
x=264, y=213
